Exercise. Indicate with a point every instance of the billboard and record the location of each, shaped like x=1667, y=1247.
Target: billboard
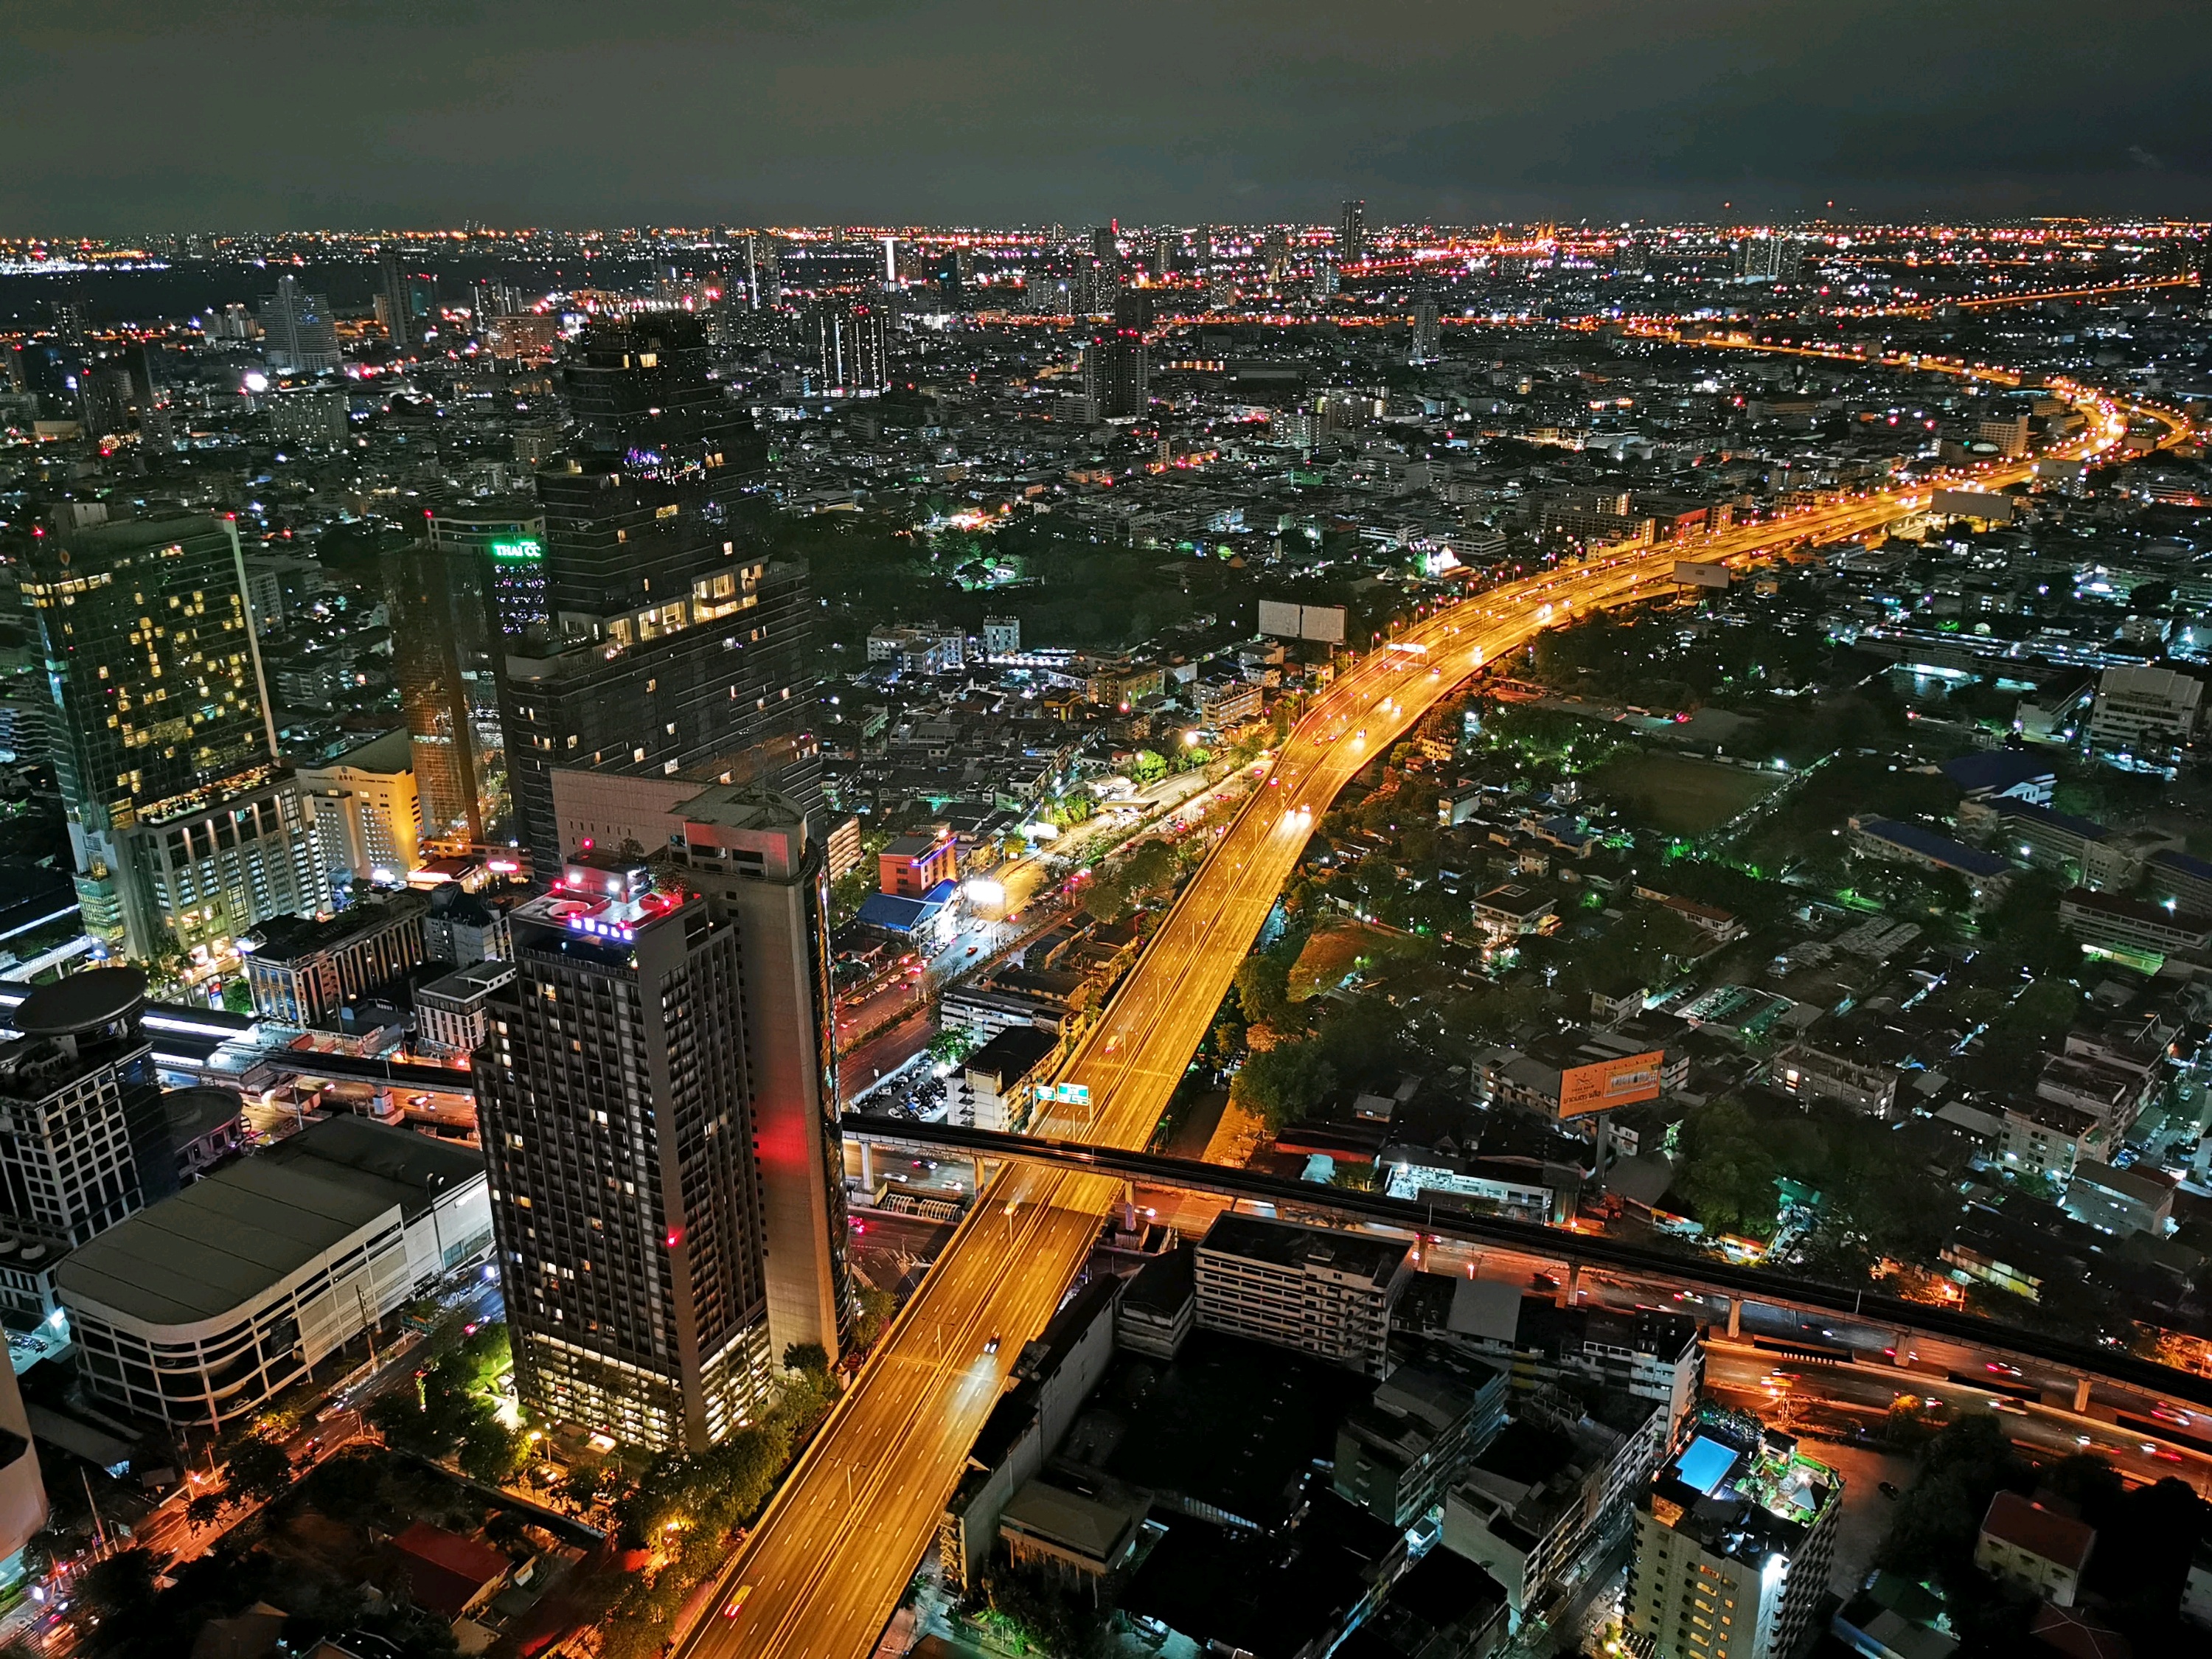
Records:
x=1610, y=1083
x=1690, y=573
x=1972, y=504
x=1286, y=621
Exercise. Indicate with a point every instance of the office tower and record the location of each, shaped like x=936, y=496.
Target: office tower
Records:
x=395, y=305
x=1201, y=251
x=891, y=261
x=1324, y=279
x=299, y=338
x=439, y=652
x=1352, y=234
x=666, y=642
x=502, y=543
x=69, y=315
x=1428, y=332
x=1106, y=247
x=764, y=272
x=749, y=850
x=1164, y=251
x=1117, y=374
x=1734, y=1538
x=83, y=1140
x=1275, y=255
x=184, y=830
x=846, y=346
x=613, y=1095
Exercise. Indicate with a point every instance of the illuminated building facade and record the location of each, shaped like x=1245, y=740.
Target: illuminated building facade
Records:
x=668, y=640
x=182, y=824
x=614, y=1095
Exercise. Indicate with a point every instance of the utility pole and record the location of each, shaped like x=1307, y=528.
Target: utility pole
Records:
x=367, y=1329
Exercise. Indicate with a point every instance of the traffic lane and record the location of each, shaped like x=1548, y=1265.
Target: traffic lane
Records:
x=1870, y=1390
x=882, y=1054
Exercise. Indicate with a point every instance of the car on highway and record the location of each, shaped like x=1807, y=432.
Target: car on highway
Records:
x=730, y=1607
x=991, y=1346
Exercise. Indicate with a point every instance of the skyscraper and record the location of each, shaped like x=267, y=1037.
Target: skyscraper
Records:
x=1117, y=374
x=301, y=339
x=439, y=660
x=395, y=304
x=614, y=1096
x=667, y=641
x=846, y=346
x=1428, y=332
x=1106, y=247
x=1352, y=234
x=182, y=825
x=1734, y=1538
x=1275, y=254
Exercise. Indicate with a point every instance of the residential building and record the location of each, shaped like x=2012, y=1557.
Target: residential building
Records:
x=1535, y=1498
x=1427, y=334
x=1515, y=910
x=1808, y=1073
x=304, y=971
x=2184, y=882
x=998, y=1084
x=1002, y=636
x=364, y=810
x=2048, y=1137
x=1734, y=1540
x=23, y=1508
x=753, y=854
x=1352, y=234
x=1117, y=375
x=201, y=1309
x=2033, y=1543
x=666, y=645
x=846, y=346
x=2144, y=716
x=83, y=1140
x=1305, y=1288
x=911, y=865
x=1397, y=1453
x=462, y=927
x=435, y=592
x=183, y=826
x=2122, y=1201
x=2101, y=860
x=617, y=1118
x=452, y=1014
x=298, y=334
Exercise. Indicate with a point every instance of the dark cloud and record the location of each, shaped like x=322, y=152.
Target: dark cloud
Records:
x=227, y=113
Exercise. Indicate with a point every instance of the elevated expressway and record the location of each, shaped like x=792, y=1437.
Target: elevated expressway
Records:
x=822, y=1572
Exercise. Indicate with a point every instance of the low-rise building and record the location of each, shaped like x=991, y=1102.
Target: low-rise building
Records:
x=303, y=971
x=1515, y=910
x=1158, y=1310
x=911, y=865
x=2109, y=922
x=2048, y=1137
x=997, y=1088
x=1397, y=1453
x=2122, y=1201
x=452, y=1014
x=2035, y=1544
x=1985, y=873
x=2144, y=714
x=1306, y=1288
x=1535, y=1497
x=201, y=1307
x=1807, y=1073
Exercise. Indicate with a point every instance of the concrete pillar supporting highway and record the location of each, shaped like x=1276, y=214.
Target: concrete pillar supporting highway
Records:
x=979, y=1172
x=1574, y=1282
x=868, y=1166
x=380, y=1102
x=2081, y=1394
x=1736, y=1317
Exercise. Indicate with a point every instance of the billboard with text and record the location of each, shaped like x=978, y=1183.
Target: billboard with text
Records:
x=1610, y=1083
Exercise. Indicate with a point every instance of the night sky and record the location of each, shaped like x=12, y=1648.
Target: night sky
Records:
x=123, y=115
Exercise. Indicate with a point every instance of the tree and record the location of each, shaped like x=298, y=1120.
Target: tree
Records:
x=876, y=1309
x=1282, y=1083
x=805, y=1356
x=1263, y=988
x=259, y=1467
x=115, y=1599
x=1727, y=1170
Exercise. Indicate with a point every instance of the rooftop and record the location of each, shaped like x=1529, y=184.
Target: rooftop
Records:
x=245, y=1228
x=2026, y=1525
x=1282, y=1245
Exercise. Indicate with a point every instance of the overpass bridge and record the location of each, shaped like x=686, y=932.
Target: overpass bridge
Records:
x=1576, y=1251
